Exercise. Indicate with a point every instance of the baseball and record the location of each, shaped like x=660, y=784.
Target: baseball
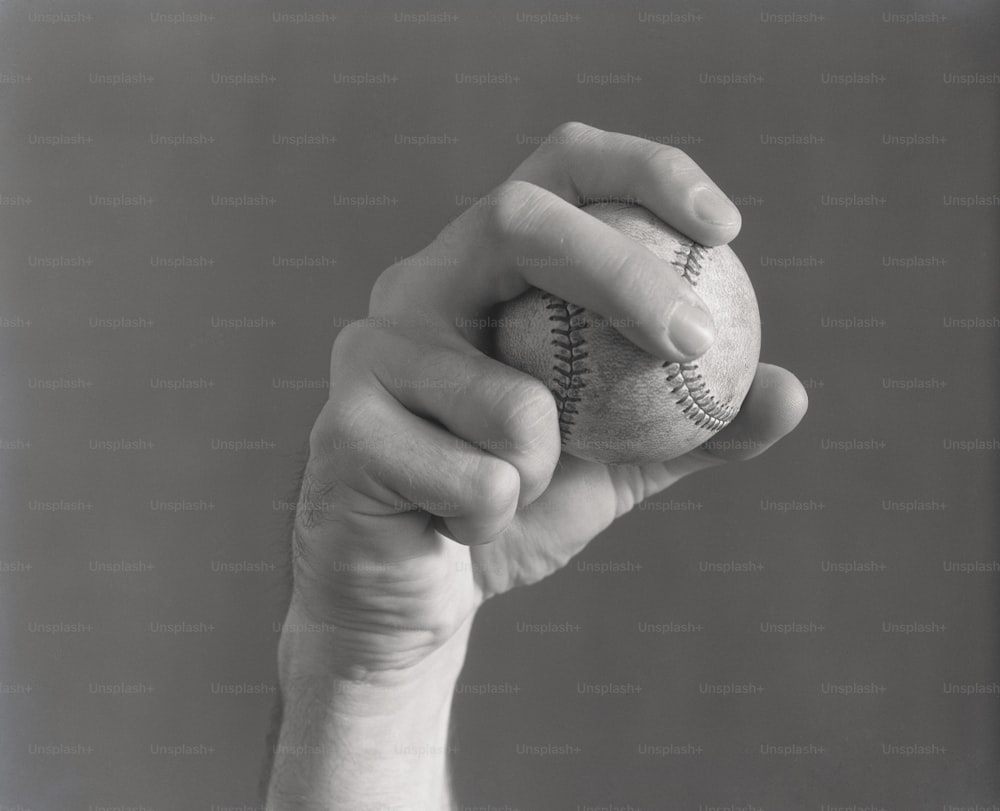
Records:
x=618, y=404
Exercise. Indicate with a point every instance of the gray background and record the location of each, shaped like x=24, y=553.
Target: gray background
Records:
x=863, y=302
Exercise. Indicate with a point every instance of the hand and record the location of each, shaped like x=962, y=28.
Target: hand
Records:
x=435, y=478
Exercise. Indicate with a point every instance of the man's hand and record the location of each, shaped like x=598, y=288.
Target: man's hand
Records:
x=422, y=423
x=435, y=478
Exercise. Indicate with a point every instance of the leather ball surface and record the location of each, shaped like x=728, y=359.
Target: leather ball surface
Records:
x=618, y=404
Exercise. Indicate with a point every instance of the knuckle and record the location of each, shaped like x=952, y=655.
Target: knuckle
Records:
x=351, y=336
x=389, y=289
x=517, y=208
x=495, y=485
x=530, y=419
x=573, y=132
x=668, y=162
x=348, y=347
x=341, y=426
x=433, y=363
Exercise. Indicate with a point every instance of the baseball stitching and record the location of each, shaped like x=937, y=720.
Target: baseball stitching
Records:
x=570, y=358
x=687, y=260
x=694, y=398
x=683, y=379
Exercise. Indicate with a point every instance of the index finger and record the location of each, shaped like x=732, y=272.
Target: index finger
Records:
x=583, y=164
x=532, y=233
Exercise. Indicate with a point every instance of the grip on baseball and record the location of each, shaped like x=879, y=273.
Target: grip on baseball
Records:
x=618, y=404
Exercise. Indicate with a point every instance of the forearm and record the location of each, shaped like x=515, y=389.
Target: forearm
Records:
x=377, y=743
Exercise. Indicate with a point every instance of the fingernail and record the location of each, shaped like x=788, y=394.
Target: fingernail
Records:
x=691, y=330
x=712, y=207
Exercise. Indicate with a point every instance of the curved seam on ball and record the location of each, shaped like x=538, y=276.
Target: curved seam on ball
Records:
x=694, y=398
x=569, y=367
x=688, y=257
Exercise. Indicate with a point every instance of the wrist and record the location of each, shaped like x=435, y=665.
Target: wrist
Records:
x=353, y=737
x=339, y=751
x=313, y=649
